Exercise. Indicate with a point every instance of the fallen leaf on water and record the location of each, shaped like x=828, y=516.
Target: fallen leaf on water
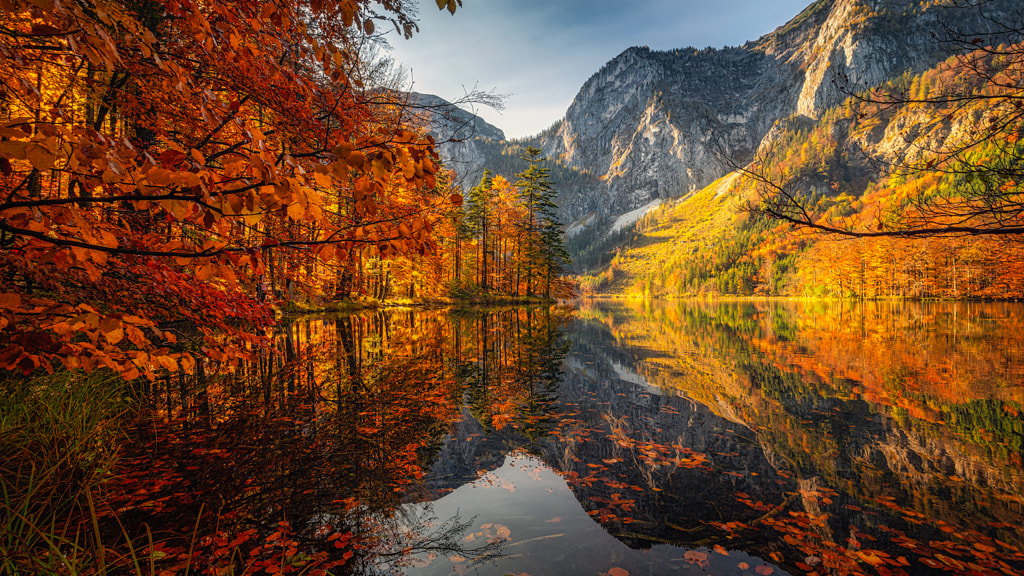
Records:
x=984, y=547
x=555, y=519
x=870, y=558
x=764, y=570
x=456, y=558
x=721, y=550
x=618, y=572
x=696, y=557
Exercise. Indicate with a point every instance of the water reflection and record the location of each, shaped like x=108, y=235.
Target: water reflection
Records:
x=741, y=438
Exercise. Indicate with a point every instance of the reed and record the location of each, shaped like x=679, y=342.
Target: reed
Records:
x=58, y=443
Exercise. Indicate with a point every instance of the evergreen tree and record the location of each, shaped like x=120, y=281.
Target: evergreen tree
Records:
x=479, y=211
x=538, y=197
x=552, y=250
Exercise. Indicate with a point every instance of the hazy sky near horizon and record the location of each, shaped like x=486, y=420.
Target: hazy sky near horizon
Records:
x=540, y=52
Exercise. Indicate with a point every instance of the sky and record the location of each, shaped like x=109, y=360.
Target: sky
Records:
x=538, y=53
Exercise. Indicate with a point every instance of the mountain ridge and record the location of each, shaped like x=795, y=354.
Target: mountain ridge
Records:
x=655, y=128
x=663, y=124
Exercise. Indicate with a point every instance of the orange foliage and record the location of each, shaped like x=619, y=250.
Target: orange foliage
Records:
x=163, y=165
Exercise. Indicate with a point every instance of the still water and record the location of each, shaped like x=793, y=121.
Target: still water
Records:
x=742, y=438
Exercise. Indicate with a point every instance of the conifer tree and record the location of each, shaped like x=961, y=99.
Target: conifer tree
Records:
x=552, y=249
x=479, y=215
x=543, y=229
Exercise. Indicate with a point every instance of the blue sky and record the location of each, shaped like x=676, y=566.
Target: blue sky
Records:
x=540, y=52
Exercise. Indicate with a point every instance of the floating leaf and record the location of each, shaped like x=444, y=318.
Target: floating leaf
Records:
x=696, y=556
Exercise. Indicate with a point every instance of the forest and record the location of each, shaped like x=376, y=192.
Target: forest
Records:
x=175, y=176
x=181, y=182
x=908, y=190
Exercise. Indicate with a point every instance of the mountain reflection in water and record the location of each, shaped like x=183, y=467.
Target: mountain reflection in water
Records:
x=737, y=438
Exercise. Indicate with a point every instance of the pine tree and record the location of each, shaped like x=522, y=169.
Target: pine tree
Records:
x=553, y=253
x=544, y=252
x=479, y=215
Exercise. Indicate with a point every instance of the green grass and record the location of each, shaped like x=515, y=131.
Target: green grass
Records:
x=58, y=443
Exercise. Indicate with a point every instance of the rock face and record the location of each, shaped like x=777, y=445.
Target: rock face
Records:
x=461, y=135
x=662, y=124
x=655, y=124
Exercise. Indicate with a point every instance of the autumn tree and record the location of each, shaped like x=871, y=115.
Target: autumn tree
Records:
x=967, y=118
x=160, y=158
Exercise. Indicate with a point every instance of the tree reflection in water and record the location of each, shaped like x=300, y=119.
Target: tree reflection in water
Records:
x=300, y=461
x=744, y=438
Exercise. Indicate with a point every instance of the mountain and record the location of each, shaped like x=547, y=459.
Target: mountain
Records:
x=660, y=138
x=664, y=124
x=461, y=135
x=853, y=163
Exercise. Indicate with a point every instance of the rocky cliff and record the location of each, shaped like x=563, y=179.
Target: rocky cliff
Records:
x=463, y=138
x=656, y=124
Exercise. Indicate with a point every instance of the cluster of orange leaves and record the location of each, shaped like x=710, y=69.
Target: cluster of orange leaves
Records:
x=154, y=159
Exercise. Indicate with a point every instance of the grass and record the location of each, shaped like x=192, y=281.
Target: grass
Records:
x=58, y=443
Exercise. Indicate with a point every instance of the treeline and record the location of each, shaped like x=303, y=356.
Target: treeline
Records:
x=851, y=171
x=168, y=168
x=508, y=241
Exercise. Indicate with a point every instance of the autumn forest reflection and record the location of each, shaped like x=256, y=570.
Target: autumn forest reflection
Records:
x=742, y=438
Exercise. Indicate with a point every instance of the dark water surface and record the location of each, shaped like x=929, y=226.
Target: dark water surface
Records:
x=748, y=438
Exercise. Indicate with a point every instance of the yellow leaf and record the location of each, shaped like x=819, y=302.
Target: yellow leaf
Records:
x=13, y=149
x=166, y=362
x=115, y=336
x=188, y=363
x=322, y=180
x=381, y=167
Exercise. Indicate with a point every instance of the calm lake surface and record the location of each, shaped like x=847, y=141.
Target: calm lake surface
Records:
x=739, y=438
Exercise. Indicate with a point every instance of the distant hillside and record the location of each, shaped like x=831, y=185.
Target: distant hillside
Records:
x=653, y=127
x=843, y=162
x=664, y=124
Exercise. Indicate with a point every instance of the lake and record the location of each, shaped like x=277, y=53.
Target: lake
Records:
x=735, y=438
